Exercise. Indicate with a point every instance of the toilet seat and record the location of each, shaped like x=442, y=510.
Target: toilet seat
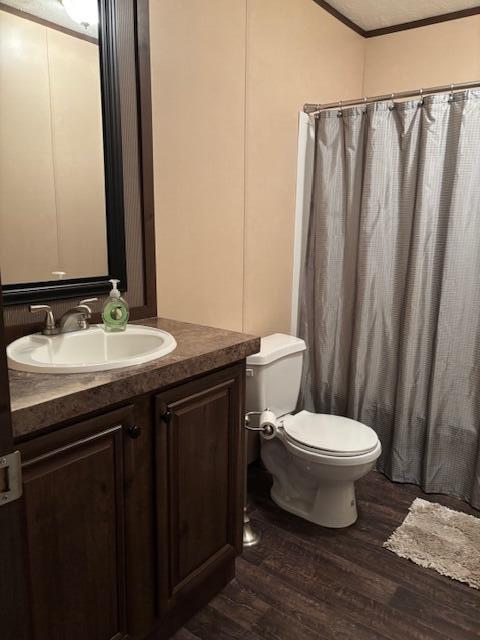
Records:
x=329, y=435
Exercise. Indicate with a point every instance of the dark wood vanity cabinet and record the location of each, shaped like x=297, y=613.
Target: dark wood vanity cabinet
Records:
x=199, y=480
x=134, y=517
x=74, y=484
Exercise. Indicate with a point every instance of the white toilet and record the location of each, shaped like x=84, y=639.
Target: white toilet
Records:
x=314, y=459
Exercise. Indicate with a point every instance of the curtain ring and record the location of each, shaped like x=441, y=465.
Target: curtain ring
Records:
x=365, y=103
x=422, y=101
x=340, y=110
x=392, y=106
x=450, y=97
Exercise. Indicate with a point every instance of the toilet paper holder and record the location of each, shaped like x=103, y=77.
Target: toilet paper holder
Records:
x=267, y=426
x=268, y=429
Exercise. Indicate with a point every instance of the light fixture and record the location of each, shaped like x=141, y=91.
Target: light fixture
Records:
x=85, y=12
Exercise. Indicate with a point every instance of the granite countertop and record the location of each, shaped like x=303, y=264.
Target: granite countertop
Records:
x=41, y=400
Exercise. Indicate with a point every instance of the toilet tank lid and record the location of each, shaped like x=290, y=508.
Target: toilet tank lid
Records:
x=276, y=346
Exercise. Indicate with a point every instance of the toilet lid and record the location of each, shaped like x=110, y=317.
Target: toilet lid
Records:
x=330, y=434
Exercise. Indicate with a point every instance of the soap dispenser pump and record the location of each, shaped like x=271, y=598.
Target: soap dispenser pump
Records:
x=115, y=311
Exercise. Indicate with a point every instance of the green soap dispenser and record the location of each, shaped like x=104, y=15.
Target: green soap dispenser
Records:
x=115, y=310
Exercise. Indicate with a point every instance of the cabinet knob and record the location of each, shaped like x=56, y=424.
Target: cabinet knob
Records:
x=134, y=431
x=166, y=416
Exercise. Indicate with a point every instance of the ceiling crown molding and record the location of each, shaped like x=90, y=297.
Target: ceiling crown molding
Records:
x=414, y=24
x=334, y=12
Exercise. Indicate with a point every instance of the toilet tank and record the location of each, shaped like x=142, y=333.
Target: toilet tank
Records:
x=274, y=374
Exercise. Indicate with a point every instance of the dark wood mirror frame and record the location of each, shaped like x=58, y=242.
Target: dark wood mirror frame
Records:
x=114, y=199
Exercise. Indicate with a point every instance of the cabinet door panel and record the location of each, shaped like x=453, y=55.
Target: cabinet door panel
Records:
x=199, y=481
x=201, y=462
x=75, y=531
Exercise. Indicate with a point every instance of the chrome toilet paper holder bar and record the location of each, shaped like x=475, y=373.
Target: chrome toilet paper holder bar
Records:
x=250, y=537
x=267, y=430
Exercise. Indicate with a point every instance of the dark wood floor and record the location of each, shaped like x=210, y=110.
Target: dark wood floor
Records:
x=304, y=582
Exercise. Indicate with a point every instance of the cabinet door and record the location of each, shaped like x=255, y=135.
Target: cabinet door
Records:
x=200, y=471
x=73, y=487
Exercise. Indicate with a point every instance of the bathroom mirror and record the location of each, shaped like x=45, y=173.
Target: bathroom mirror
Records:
x=61, y=188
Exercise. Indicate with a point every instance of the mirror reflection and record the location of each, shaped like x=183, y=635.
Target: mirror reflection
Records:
x=52, y=183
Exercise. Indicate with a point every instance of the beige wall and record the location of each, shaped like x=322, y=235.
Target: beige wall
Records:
x=228, y=80
x=296, y=53
x=78, y=154
x=27, y=193
x=438, y=54
x=51, y=154
x=198, y=93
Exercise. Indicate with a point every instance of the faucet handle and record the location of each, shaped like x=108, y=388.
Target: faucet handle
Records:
x=39, y=307
x=85, y=305
x=50, y=328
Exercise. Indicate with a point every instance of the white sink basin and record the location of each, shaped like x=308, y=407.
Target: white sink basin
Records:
x=91, y=350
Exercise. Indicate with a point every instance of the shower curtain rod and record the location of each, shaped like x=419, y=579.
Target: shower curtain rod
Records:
x=314, y=108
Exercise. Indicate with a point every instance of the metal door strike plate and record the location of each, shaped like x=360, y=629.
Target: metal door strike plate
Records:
x=11, y=477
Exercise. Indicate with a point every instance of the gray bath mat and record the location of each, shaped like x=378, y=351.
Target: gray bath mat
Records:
x=439, y=538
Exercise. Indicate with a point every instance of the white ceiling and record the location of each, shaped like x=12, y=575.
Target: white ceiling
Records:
x=374, y=14
x=53, y=11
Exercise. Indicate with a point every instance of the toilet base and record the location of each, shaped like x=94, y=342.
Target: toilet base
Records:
x=334, y=506
x=318, y=488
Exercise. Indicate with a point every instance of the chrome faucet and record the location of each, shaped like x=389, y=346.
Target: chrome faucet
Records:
x=75, y=319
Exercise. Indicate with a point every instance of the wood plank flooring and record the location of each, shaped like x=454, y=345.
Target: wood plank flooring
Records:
x=304, y=582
